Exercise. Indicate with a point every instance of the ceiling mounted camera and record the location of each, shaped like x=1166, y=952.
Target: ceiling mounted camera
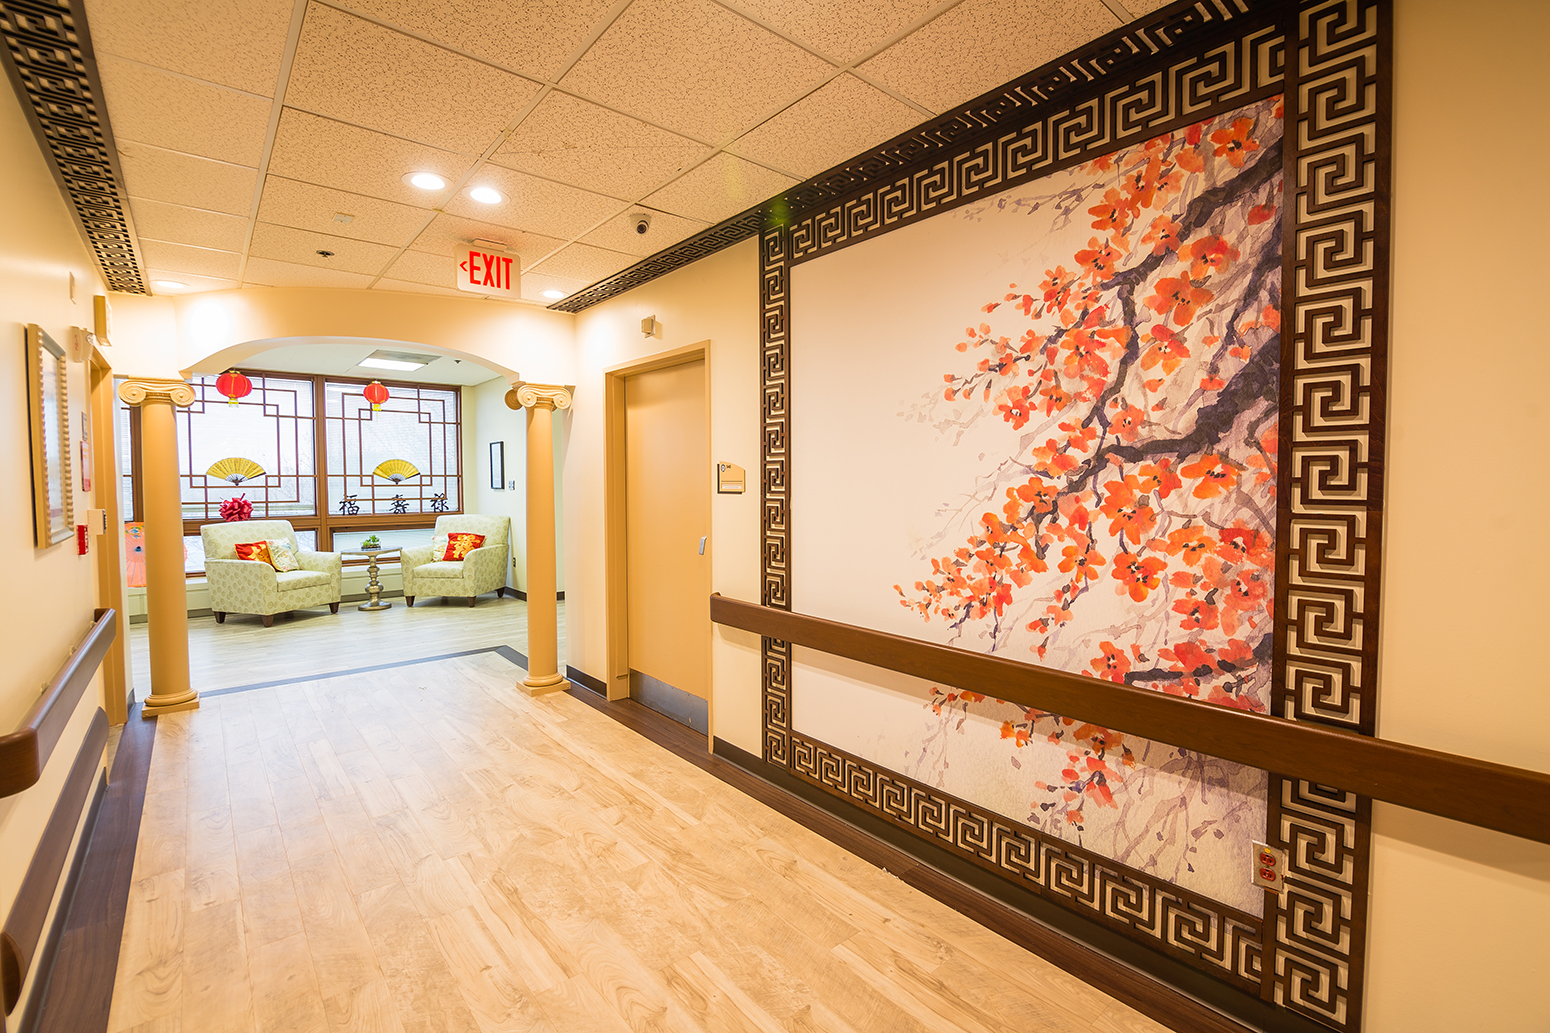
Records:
x=642, y=221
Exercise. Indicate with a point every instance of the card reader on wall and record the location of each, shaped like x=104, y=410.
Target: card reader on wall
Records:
x=729, y=479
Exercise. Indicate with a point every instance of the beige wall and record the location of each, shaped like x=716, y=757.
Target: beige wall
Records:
x=49, y=593
x=486, y=418
x=716, y=300
x=1459, y=916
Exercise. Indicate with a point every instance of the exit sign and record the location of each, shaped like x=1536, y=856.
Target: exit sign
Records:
x=480, y=272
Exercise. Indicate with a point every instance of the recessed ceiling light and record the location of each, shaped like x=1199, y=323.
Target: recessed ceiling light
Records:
x=389, y=364
x=424, y=180
x=169, y=285
x=554, y=295
x=485, y=195
x=384, y=358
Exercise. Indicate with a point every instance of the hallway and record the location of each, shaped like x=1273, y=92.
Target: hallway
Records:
x=424, y=848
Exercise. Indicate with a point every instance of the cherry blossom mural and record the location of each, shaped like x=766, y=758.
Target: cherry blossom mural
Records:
x=1084, y=478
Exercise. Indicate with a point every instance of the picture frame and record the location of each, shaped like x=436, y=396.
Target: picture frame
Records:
x=498, y=465
x=53, y=495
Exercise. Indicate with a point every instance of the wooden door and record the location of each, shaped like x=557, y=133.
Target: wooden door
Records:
x=667, y=513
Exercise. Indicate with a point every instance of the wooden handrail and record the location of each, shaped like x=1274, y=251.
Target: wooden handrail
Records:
x=1479, y=792
x=24, y=753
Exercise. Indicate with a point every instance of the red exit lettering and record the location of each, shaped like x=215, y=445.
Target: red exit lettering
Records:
x=488, y=270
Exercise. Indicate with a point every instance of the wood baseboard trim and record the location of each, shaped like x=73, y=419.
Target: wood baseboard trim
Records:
x=586, y=681
x=1116, y=966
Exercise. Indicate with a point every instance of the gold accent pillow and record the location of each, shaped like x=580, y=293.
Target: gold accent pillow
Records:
x=281, y=556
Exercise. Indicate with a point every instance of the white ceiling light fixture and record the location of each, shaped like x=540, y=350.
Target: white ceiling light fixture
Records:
x=169, y=285
x=424, y=180
x=555, y=295
x=401, y=361
x=486, y=195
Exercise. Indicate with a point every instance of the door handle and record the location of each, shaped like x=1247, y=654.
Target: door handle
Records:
x=702, y=544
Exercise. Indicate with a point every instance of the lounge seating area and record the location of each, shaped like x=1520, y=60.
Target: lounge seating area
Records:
x=258, y=567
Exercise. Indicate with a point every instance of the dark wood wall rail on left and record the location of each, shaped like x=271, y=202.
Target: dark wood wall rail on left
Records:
x=25, y=752
x=1411, y=776
x=24, y=925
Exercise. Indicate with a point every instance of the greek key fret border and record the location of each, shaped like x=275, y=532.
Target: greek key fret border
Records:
x=1190, y=88
x=1195, y=929
x=49, y=57
x=1334, y=343
x=1334, y=322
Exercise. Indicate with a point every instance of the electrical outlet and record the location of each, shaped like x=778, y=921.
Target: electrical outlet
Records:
x=1269, y=867
x=512, y=485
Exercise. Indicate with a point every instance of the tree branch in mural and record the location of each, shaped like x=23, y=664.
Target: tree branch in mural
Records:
x=1129, y=527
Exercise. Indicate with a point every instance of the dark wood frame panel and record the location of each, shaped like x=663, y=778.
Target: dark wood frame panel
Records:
x=1185, y=63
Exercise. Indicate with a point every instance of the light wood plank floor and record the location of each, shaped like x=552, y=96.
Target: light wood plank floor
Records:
x=309, y=642
x=426, y=849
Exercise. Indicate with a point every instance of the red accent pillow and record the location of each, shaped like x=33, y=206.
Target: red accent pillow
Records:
x=255, y=551
x=461, y=543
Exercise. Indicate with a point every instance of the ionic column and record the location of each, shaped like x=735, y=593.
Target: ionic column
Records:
x=166, y=586
x=543, y=627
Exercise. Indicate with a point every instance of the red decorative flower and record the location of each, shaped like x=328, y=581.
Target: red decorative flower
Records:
x=238, y=508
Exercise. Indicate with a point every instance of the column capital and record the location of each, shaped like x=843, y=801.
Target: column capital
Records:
x=140, y=390
x=538, y=396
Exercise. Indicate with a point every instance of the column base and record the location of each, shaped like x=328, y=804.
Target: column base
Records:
x=155, y=704
x=543, y=684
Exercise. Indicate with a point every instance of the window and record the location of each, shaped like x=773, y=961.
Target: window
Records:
x=388, y=471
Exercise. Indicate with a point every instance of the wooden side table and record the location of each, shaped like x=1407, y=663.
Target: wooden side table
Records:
x=373, y=586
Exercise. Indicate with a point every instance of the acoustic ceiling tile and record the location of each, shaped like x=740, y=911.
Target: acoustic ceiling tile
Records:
x=694, y=67
x=264, y=272
x=306, y=206
x=161, y=221
x=534, y=285
x=839, y=120
x=576, y=142
x=237, y=43
x=180, y=258
x=181, y=114
x=285, y=244
x=533, y=204
x=618, y=233
x=359, y=72
x=332, y=154
x=535, y=37
x=840, y=29
x=584, y=262
x=411, y=287
x=720, y=188
x=423, y=268
x=449, y=233
x=936, y=66
x=1140, y=7
x=191, y=284
x=177, y=178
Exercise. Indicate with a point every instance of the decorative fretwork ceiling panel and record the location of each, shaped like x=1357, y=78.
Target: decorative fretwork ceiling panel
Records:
x=49, y=60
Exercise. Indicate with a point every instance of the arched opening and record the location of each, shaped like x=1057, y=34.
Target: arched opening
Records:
x=373, y=477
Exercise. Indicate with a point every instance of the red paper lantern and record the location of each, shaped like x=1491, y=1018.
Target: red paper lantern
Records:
x=376, y=394
x=233, y=385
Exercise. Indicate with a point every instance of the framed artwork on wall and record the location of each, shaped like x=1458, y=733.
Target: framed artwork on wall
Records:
x=498, y=465
x=1139, y=408
x=49, y=428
